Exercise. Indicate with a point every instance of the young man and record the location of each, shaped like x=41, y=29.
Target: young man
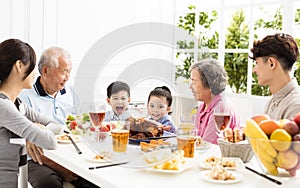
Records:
x=275, y=56
x=52, y=97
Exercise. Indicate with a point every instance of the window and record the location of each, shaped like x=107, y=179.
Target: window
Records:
x=226, y=30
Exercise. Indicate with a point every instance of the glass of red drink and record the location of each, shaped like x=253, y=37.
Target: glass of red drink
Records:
x=222, y=117
x=97, y=113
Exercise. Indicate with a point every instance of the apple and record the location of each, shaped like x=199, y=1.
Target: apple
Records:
x=293, y=171
x=287, y=159
x=296, y=145
x=297, y=119
x=291, y=127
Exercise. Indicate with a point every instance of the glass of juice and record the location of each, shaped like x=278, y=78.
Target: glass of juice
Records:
x=186, y=140
x=120, y=136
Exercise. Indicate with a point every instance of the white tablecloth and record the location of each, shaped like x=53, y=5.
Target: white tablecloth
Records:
x=119, y=176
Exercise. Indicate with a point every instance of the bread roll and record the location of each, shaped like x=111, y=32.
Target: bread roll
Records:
x=238, y=135
x=228, y=134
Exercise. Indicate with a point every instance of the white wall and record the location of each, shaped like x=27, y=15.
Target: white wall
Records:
x=77, y=25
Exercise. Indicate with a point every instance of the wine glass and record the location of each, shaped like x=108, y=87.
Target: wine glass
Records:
x=222, y=116
x=97, y=113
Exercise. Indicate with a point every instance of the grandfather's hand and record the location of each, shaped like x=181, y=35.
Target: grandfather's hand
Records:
x=34, y=152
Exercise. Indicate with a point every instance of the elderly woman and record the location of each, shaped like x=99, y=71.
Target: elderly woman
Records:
x=208, y=81
x=17, y=63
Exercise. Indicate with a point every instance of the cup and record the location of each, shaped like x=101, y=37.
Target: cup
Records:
x=120, y=136
x=187, y=121
x=186, y=140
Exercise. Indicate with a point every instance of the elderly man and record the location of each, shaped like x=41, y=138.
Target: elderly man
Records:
x=52, y=97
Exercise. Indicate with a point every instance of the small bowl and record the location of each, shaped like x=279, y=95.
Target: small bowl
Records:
x=277, y=158
x=240, y=149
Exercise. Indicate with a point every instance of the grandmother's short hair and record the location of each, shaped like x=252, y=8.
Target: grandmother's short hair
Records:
x=212, y=75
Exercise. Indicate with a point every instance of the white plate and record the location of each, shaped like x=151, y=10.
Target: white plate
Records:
x=238, y=177
x=59, y=139
x=203, y=146
x=239, y=164
x=188, y=164
x=91, y=158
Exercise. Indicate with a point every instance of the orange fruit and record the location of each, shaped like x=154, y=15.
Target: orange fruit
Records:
x=281, y=139
x=268, y=126
x=260, y=117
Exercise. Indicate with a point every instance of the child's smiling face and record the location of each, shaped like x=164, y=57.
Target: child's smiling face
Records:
x=119, y=102
x=158, y=107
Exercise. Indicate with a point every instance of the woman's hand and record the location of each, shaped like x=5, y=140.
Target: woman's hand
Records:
x=34, y=152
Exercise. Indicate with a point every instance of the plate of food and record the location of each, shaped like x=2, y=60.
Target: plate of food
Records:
x=154, y=144
x=64, y=138
x=99, y=158
x=221, y=176
x=148, y=139
x=175, y=165
x=229, y=163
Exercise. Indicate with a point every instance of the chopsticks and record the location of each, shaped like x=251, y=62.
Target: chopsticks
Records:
x=74, y=144
x=103, y=166
x=265, y=176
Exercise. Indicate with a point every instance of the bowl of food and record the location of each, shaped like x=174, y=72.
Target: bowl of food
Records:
x=240, y=149
x=234, y=144
x=277, y=151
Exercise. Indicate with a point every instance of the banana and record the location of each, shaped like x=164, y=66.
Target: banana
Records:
x=270, y=167
x=262, y=154
x=252, y=130
x=259, y=150
x=261, y=146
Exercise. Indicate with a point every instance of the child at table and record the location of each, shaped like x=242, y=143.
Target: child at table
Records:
x=118, y=97
x=159, y=108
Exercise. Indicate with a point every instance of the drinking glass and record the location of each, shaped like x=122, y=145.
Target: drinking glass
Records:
x=186, y=139
x=120, y=136
x=222, y=116
x=187, y=121
x=97, y=113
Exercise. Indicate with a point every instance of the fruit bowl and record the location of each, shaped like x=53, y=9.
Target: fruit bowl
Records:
x=275, y=143
x=275, y=157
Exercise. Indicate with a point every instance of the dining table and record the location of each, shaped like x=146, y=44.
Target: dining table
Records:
x=120, y=176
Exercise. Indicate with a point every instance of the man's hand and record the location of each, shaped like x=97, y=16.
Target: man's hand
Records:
x=34, y=152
